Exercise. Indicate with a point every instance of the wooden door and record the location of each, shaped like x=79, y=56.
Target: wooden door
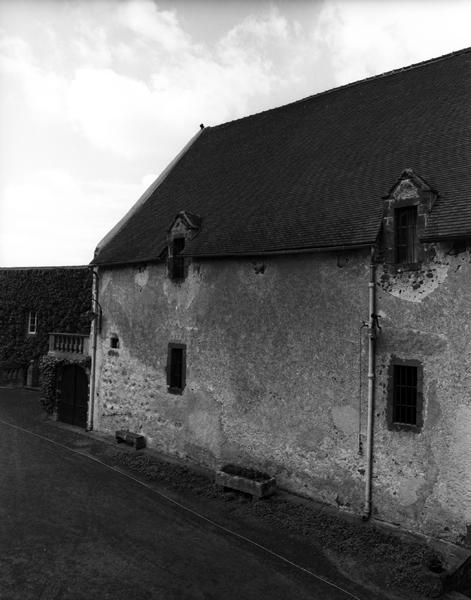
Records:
x=73, y=404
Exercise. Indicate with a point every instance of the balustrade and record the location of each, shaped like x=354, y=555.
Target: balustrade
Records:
x=68, y=343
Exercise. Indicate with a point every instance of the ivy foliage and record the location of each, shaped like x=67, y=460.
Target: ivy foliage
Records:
x=49, y=368
x=62, y=297
x=48, y=379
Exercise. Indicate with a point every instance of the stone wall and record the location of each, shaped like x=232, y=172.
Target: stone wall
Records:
x=425, y=477
x=274, y=350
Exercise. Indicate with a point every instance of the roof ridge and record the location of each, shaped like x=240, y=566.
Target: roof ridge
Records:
x=416, y=65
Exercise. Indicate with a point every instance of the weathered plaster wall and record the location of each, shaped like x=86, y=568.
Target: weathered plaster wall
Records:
x=425, y=477
x=272, y=365
x=272, y=375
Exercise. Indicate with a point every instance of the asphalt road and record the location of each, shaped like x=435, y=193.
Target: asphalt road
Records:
x=72, y=528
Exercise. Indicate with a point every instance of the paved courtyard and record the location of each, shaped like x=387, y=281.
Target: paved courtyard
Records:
x=70, y=528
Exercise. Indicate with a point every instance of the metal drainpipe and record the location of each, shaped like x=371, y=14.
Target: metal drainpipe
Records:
x=371, y=385
x=95, y=326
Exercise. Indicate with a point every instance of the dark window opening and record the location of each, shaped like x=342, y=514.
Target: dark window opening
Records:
x=33, y=323
x=176, y=368
x=405, y=394
x=114, y=342
x=406, y=234
x=177, y=266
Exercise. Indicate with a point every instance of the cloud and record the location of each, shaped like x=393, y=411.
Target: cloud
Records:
x=137, y=85
x=91, y=46
x=130, y=110
x=363, y=38
x=159, y=26
x=256, y=35
x=43, y=90
x=114, y=112
x=136, y=108
x=51, y=218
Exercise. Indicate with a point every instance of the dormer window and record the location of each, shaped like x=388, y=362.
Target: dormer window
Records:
x=183, y=230
x=405, y=220
x=405, y=212
x=177, y=261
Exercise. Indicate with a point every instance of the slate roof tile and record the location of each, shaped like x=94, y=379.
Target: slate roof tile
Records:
x=312, y=174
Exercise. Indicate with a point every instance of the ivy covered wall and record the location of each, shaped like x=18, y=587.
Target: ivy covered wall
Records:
x=61, y=297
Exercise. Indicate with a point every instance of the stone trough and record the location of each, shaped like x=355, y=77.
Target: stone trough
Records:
x=248, y=481
x=130, y=438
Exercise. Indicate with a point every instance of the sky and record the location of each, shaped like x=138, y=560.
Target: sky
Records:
x=96, y=98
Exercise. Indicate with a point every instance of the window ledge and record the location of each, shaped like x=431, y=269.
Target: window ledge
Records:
x=176, y=391
x=405, y=427
x=407, y=266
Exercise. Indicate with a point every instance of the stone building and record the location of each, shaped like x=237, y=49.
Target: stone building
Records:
x=292, y=294
x=46, y=312
x=35, y=302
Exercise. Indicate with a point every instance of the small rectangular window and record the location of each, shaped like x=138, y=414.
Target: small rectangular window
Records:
x=405, y=408
x=405, y=394
x=405, y=220
x=178, y=261
x=33, y=322
x=176, y=368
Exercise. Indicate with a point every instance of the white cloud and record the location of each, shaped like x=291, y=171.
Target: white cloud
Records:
x=254, y=35
x=113, y=111
x=136, y=108
x=50, y=218
x=42, y=89
x=132, y=114
x=364, y=38
x=159, y=26
x=91, y=45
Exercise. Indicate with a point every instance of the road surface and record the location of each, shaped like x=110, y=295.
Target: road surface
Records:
x=72, y=528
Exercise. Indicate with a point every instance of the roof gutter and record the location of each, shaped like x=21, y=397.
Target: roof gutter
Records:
x=146, y=195
x=285, y=251
x=448, y=238
x=126, y=263
x=242, y=254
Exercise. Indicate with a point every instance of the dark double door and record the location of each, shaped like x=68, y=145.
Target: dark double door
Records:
x=73, y=404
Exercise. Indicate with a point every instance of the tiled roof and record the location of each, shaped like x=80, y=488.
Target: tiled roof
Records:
x=312, y=174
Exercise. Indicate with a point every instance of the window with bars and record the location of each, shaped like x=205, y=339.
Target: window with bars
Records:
x=33, y=323
x=405, y=407
x=176, y=368
x=176, y=261
x=405, y=220
x=405, y=395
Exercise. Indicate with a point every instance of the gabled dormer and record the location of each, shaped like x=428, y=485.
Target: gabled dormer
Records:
x=184, y=228
x=405, y=211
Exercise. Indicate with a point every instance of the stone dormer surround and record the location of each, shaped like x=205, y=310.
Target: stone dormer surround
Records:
x=186, y=225
x=410, y=190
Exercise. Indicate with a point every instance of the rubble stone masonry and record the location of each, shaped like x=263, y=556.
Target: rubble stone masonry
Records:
x=274, y=349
